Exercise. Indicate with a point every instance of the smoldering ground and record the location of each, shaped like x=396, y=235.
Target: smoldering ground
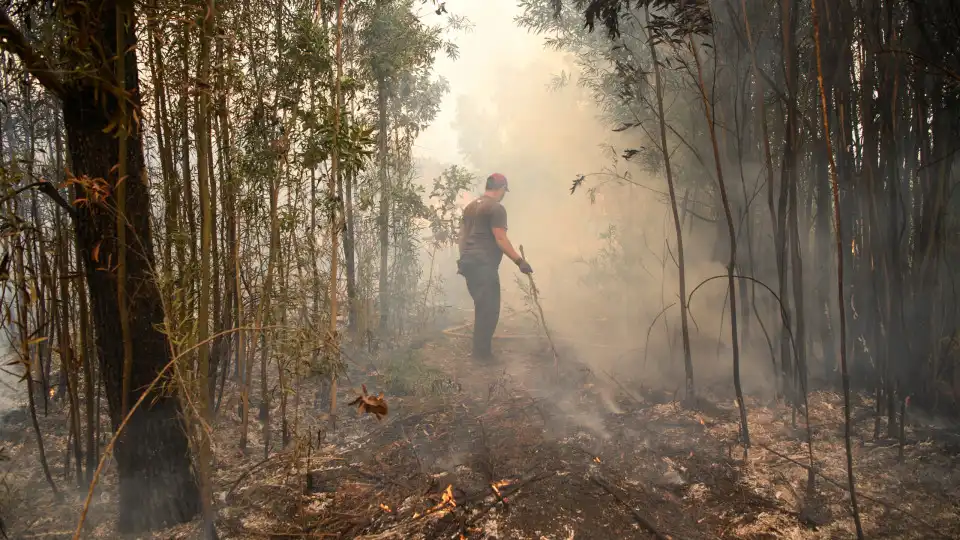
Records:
x=605, y=255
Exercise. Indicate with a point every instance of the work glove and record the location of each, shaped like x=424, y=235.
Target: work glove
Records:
x=524, y=266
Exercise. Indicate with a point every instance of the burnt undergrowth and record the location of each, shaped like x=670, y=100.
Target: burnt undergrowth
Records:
x=509, y=450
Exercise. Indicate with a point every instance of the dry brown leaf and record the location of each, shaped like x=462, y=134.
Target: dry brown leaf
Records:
x=368, y=404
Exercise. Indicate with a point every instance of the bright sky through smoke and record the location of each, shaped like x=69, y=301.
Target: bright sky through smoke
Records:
x=493, y=42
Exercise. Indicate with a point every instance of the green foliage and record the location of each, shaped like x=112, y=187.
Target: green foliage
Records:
x=356, y=141
x=395, y=40
x=445, y=215
x=406, y=374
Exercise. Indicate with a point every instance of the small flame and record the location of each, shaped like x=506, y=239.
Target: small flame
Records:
x=702, y=423
x=597, y=459
x=496, y=486
x=53, y=391
x=385, y=508
x=447, y=498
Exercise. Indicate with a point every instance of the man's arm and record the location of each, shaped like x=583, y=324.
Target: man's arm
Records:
x=498, y=225
x=504, y=244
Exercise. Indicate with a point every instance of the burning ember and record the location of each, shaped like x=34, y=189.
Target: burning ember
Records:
x=447, y=498
x=385, y=508
x=597, y=459
x=496, y=486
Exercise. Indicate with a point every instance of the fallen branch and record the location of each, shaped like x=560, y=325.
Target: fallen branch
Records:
x=641, y=519
x=383, y=479
x=246, y=473
x=632, y=395
x=503, y=497
x=846, y=488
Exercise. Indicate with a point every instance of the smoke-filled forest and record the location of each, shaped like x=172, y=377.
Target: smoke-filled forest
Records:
x=231, y=303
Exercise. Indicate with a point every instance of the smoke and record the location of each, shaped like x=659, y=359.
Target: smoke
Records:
x=604, y=256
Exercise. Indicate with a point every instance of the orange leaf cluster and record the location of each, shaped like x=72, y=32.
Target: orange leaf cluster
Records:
x=368, y=404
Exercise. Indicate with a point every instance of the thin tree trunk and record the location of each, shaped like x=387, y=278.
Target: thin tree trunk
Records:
x=731, y=280
x=22, y=320
x=684, y=326
x=768, y=162
x=333, y=345
x=384, y=217
x=843, y=319
x=206, y=254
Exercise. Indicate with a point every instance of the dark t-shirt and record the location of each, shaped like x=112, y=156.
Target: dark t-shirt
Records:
x=480, y=217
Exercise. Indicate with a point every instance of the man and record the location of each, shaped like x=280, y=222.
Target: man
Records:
x=483, y=243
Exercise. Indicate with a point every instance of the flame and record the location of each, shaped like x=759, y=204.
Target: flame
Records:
x=597, y=459
x=447, y=498
x=702, y=423
x=385, y=508
x=496, y=486
x=53, y=391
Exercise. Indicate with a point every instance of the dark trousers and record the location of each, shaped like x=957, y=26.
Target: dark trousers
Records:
x=483, y=282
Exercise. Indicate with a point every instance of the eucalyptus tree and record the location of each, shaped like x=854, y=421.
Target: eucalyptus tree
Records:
x=852, y=104
x=397, y=46
x=111, y=213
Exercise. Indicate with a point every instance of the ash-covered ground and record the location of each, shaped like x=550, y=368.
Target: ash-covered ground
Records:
x=516, y=449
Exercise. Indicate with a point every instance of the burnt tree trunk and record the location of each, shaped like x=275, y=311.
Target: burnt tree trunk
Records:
x=156, y=483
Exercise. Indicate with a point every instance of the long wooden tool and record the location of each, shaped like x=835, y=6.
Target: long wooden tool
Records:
x=543, y=322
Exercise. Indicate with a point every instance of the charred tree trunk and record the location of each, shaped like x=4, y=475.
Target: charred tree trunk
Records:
x=157, y=485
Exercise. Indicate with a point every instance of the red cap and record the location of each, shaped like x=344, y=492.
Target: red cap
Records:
x=497, y=181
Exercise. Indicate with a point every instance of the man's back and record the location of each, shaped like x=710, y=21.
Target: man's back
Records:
x=478, y=243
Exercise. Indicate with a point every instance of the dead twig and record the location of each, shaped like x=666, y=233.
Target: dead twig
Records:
x=503, y=496
x=632, y=395
x=535, y=293
x=383, y=479
x=641, y=519
x=846, y=488
x=248, y=472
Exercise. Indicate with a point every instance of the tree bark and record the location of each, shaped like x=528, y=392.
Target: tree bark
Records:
x=156, y=482
x=384, y=217
x=684, y=325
